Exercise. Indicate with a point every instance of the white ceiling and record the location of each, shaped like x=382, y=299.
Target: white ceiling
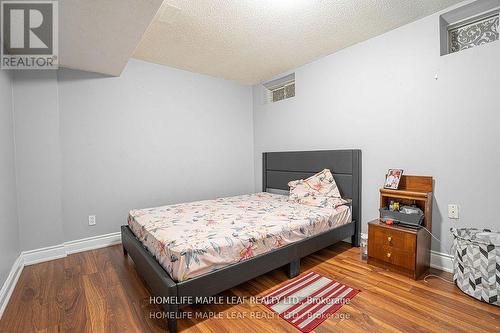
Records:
x=244, y=40
x=253, y=40
x=101, y=36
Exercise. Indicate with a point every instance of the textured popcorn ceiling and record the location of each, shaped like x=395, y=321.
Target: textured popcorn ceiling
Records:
x=101, y=36
x=253, y=40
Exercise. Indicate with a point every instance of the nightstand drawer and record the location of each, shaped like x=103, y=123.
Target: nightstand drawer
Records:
x=392, y=245
x=393, y=238
x=394, y=256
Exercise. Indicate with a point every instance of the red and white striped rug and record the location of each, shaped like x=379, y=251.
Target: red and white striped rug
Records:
x=308, y=300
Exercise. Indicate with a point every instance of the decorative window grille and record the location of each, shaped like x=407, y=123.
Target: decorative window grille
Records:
x=279, y=89
x=473, y=32
x=290, y=90
x=283, y=92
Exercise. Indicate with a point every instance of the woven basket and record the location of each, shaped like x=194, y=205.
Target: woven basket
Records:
x=476, y=264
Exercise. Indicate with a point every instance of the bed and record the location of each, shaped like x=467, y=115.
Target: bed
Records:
x=200, y=249
x=196, y=238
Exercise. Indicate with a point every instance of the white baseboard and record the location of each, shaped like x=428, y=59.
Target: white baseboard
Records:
x=92, y=243
x=32, y=257
x=10, y=283
x=62, y=250
x=44, y=254
x=442, y=261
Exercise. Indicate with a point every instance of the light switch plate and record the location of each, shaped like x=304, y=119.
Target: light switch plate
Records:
x=453, y=212
x=92, y=220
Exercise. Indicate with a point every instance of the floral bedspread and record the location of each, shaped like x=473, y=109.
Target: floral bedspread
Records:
x=192, y=239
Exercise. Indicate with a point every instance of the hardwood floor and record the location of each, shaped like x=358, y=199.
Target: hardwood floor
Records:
x=100, y=291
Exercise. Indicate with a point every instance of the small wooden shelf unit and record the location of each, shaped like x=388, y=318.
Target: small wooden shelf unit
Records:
x=402, y=249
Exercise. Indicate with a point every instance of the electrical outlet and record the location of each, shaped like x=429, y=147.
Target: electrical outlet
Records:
x=92, y=220
x=453, y=212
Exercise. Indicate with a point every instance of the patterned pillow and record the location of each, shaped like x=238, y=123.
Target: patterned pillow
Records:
x=318, y=190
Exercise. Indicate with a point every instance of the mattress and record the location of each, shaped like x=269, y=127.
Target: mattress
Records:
x=192, y=239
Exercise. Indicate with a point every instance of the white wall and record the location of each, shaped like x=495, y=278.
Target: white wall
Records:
x=9, y=235
x=38, y=159
x=381, y=96
x=96, y=145
x=151, y=137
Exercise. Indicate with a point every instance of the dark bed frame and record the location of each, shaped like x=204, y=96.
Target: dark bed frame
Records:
x=278, y=169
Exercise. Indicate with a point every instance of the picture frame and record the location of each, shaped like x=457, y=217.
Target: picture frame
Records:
x=393, y=178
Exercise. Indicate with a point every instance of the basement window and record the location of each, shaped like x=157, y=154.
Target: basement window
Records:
x=280, y=89
x=469, y=26
x=473, y=33
x=283, y=92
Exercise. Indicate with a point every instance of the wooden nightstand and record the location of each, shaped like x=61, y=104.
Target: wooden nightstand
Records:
x=398, y=248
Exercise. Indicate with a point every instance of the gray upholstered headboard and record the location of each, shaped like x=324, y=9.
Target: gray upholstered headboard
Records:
x=281, y=167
